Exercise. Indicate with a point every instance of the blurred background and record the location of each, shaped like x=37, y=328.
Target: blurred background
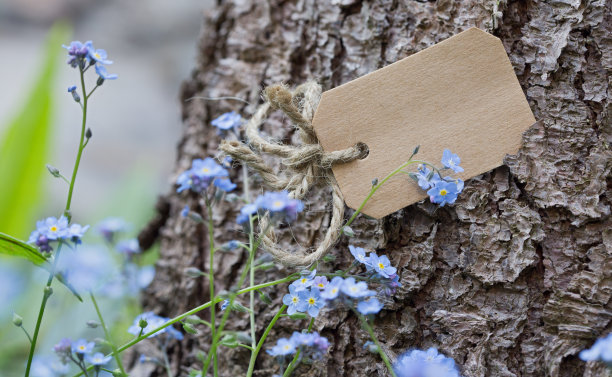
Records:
x=135, y=122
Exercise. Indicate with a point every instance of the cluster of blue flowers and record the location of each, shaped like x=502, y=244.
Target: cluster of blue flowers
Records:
x=83, y=55
x=278, y=204
x=378, y=267
x=441, y=190
x=310, y=344
x=52, y=230
x=149, y=321
x=600, y=351
x=80, y=352
x=201, y=174
x=430, y=363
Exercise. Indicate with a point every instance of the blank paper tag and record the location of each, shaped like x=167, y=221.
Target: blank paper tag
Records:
x=461, y=94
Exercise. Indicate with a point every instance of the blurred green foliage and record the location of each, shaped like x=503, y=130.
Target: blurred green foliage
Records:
x=25, y=144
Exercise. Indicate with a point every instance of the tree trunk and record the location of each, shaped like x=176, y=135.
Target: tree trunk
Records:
x=513, y=280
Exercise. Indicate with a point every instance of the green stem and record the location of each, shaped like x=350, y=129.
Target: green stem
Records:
x=382, y=353
x=107, y=333
x=263, y=339
x=46, y=294
x=27, y=334
x=80, y=151
x=193, y=311
x=377, y=186
x=167, y=363
x=211, y=276
x=245, y=184
x=296, y=359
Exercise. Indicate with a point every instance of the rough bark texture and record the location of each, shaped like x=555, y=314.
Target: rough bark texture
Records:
x=514, y=279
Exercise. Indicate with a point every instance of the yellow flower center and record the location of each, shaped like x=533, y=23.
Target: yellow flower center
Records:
x=443, y=192
x=321, y=285
x=277, y=204
x=295, y=300
x=97, y=55
x=311, y=301
x=286, y=347
x=53, y=228
x=381, y=266
x=334, y=290
x=81, y=348
x=205, y=170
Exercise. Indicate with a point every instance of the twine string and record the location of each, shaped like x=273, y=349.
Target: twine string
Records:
x=305, y=165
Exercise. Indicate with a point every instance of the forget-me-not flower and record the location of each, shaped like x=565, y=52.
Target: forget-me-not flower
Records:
x=82, y=346
x=283, y=347
x=359, y=254
x=320, y=282
x=312, y=300
x=98, y=359
x=381, y=265
x=369, y=306
x=430, y=363
x=280, y=205
x=332, y=290
x=103, y=73
x=425, y=178
x=443, y=193
x=227, y=121
x=245, y=212
x=225, y=184
x=451, y=160
x=355, y=289
x=294, y=301
x=601, y=350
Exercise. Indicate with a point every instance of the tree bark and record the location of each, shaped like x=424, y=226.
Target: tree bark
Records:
x=513, y=280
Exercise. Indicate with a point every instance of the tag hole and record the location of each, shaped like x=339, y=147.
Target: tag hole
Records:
x=363, y=148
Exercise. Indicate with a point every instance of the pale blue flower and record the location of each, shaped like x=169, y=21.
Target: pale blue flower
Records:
x=225, y=304
x=225, y=184
x=425, y=177
x=110, y=227
x=98, y=359
x=355, y=289
x=359, y=253
x=381, y=265
x=88, y=268
x=293, y=301
x=129, y=247
x=200, y=175
x=443, y=193
x=82, y=346
x=98, y=55
x=430, y=363
x=369, y=306
x=103, y=73
x=313, y=301
x=280, y=205
x=227, y=121
x=153, y=322
x=451, y=160
x=304, y=282
x=76, y=232
x=245, y=212
x=600, y=351
x=320, y=282
x=283, y=347
x=332, y=290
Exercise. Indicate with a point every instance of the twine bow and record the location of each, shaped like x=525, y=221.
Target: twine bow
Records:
x=306, y=164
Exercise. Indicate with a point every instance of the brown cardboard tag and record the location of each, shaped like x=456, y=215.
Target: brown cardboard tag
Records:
x=460, y=94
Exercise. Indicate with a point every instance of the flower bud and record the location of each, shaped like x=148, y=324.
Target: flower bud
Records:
x=17, y=320
x=53, y=170
x=88, y=133
x=93, y=324
x=348, y=231
x=193, y=272
x=143, y=323
x=100, y=81
x=48, y=291
x=189, y=328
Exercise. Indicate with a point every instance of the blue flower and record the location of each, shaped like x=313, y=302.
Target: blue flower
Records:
x=359, y=254
x=294, y=301
x=304, y=282
x=110, y=227
x=76, y=232
x=443, y=192
x=320, y=282
x=53, y=228
x=245, y=212
x=89, y=268
x=313, y=301
x=225, y=304
x=200, y=175
x=601, y=350
x=225, y=184
x=98, y=359
x=332, y=290
x=355, y=289
x=185, y=211
x=98, y=55
x=154, y=322
x=82, y=346
x=369, y=306
x=47, y=366
x=451, y=160
x=103, y=73
x=430, y=363
x=280, y=205
x=283, y=347
x=227, y=121
x=382, y=265
x=63, y=350
x=425, y=177
x=129, y=247
x=72, y=88
x=311, y=343
x=227, y=162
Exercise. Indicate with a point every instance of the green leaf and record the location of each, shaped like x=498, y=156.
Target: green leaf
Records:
x=25, y=144
x=13, y=247
x=62, y=280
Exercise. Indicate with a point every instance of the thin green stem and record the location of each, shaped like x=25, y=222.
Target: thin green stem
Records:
x=167, y=363
x=263, y=339
x=379, y=184
x=46, y=294
x=382, y=353
x=211, y=276
x=245, y=184
x=107, y=333
x=296, y=359
x=193, y=311
x=27, y=334
x=80, y=150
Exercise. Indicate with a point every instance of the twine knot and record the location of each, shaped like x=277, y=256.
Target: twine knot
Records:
x=305, y=165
